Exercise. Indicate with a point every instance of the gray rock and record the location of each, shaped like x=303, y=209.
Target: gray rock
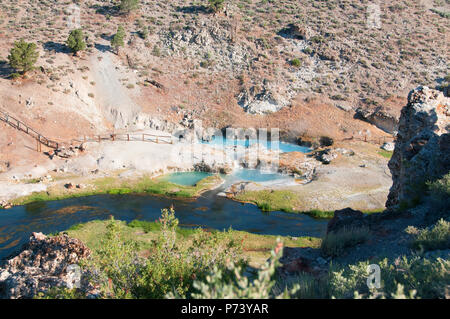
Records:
x=388, y=146
x=422, y=148
x=42, y=265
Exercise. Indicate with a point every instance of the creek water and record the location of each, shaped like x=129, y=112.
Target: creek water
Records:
x=207, y=211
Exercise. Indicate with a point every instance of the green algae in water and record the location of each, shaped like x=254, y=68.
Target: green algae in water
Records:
x=185, y=178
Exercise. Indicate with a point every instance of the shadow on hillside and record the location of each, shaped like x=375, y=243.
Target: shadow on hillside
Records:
x=290, y=32
x=103, y=48
x=107, y=10
x=106, y=37
x=5, y=70
x=194, y=9
x=56, y=47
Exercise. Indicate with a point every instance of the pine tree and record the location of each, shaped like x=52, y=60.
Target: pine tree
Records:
x=75, y=41
x=126, y=6
x=118, y=39
x=23, y=56
x=216, y=5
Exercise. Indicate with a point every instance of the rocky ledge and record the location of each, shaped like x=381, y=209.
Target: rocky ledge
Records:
x=422, y=148
x=44, y=263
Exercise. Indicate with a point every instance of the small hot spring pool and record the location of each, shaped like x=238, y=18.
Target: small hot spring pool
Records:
x=239, y=175
x=282, y=146
x=185, y=178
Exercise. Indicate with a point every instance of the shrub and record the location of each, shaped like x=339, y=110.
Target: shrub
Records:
x=118, y=39
x=75, y=41
x=215, y=5
x=439, y=191
x=335, y=243
x=296, y=62
x=436, y=237
x=231, y=283
x=126, y=6
x=171, y=265
x=144, y=32
x=420, y=277
x=23, y=56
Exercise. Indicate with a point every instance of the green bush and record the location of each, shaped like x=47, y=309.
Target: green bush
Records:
x=126, y=6
x=418, y=277
x=439, y=191
x=436, y=237
x=335, y=243
x=231, y=283
x=422, y=278
x=23, y=56
x=118, y=40
x=296, y=62
x=171, y=265
x=216, y=5
x=75, y=41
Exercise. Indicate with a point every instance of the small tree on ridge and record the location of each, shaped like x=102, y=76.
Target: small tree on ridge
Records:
x=23, y=56
x=118, y=39
x=75, y=41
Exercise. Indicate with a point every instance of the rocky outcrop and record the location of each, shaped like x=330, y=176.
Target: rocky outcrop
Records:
x=422, y=149
x=380, y=117
x=261, y=100
x=45, y=262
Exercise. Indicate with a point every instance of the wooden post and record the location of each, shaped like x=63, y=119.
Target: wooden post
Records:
x=99, y=139
x=128, y=137
x=157, y=140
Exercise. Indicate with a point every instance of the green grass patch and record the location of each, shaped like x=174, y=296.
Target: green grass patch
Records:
x=286, y=201
x=385, y=154
x=115, y=186
x=271, y=200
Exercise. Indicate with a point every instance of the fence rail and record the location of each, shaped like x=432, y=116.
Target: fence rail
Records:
x=42, y=140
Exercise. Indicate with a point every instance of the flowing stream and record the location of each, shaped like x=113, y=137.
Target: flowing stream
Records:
x=208, y=211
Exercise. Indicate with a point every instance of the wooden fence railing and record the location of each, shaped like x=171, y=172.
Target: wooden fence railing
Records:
x=17, y=124
x=42, y=140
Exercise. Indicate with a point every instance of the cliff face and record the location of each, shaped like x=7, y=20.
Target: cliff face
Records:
x=422, y=149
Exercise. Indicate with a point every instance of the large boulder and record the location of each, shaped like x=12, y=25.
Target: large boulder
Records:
x=422, y=148
x=45, y=262
x=346, y=217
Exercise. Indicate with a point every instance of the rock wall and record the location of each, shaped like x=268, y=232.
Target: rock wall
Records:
x=422, y=149
x=44, y=263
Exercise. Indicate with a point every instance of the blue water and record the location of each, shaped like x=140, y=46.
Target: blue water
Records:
x=282, y=146
x=185, y=178
x=239, y=175
x=208, y=211
x=256, y=175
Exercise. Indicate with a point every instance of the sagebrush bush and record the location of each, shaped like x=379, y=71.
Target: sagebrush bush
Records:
x=432, y=238
x=439, y=191
x=420, y=277
x=171, y=265
x=335, y=243
x=231, y=283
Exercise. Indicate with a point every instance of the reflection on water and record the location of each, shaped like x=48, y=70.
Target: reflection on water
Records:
x=209, y=210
